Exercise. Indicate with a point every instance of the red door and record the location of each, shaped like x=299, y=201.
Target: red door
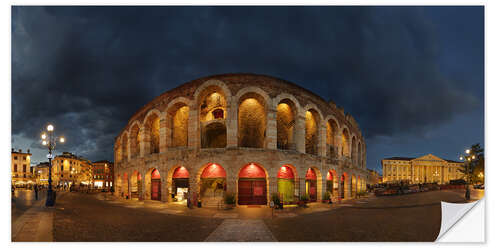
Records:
x=252, y=192
x=155, y=190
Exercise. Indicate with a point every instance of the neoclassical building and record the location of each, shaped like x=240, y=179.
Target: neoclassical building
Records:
x=425, y=169
x=248, y=135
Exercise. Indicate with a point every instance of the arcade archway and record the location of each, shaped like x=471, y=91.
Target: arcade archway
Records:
x=252, y=185
x=286, y=184
x=180, y=184
x=212, y=184
x=311, y=184
x=155, y=185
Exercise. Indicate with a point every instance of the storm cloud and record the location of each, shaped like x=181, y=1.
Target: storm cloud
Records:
x=88, y=69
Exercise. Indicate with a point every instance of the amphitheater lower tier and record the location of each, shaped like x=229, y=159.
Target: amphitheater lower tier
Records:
x=252, y=176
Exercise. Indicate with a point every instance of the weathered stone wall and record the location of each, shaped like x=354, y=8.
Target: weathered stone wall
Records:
x=236, y=119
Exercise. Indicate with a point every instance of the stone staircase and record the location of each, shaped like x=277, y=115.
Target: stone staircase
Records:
x=212, y=202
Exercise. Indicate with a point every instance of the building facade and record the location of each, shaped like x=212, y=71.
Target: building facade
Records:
x=103, y=175
x=253, y=136
x=42, y=173
x=374, y=177
x=21, y=170
x=425, y=169
x=69, y=169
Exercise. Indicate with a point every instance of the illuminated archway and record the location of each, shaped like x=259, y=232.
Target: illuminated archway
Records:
x=135, y=185
x=286, y=184
x=285, y=124
x=212, y=184
x=252, y=120
x=331, y=132
x=332, y=183
x=252, y=185
x=312, y=131
x=180, y=184
x=311, y=184
x=155, y=185
x=344, y=192
x=212, y=106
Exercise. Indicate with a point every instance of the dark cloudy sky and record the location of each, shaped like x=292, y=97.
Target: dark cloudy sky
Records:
x=413, y=77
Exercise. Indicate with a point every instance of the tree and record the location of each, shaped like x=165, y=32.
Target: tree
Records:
x=473, y=162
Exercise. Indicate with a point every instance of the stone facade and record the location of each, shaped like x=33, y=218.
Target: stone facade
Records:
x=102, y=175
x=21, y=170
x=425, y=169
x=234, y=120
x=69, y=169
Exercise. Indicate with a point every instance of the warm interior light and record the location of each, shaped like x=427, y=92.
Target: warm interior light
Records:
x=50, y=127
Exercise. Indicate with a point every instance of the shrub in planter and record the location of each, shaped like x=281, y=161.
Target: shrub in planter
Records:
x=276, y=199
x=230, y=200
x=326, y=197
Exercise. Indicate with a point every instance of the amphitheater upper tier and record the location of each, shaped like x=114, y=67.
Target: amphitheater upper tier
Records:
x=250, y=135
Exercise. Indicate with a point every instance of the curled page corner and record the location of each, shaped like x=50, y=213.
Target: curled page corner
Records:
x=451, y=213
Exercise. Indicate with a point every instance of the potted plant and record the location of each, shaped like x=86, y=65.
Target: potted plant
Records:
x=230, y=200
x=326, y=197
x=276, y=199
x=303, y=200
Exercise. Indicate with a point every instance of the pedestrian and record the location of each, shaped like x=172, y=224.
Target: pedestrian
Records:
x=36, y=192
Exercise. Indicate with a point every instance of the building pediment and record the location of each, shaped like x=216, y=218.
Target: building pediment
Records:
x=428, y=157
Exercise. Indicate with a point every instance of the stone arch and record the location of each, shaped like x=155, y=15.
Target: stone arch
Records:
x=287, y=111
x=124, y=146
x=135, y=185
x=287, y=184
x=252, y=117
x=212, y=104
x=333, y=183
x=118, y=150
x=343, y=186
x=354, y=156
x=345, y=142
x=178, y=182
x=208, y=84
x=353, y=186
x=151, y=125
x=332, y=132
x=177, y=124
x=252, y=185
x=313, y=185
x=211, y=178
x=153, y=184
x=360, y=155
x=135, y=140
x=312, y=131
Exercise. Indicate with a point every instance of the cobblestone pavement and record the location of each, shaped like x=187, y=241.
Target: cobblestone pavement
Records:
x=30, y=220
x=231, y=230
x=82, y=217
x=413, y=217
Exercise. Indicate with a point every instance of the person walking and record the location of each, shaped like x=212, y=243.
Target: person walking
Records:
x=36, y=192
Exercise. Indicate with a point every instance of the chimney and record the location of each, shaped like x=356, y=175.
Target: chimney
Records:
x=28, y=150
x=20, y=150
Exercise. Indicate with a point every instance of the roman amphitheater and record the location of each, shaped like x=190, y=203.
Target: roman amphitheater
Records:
x=251, y=136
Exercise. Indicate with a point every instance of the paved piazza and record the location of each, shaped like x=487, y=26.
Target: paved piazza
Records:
x=97, y=217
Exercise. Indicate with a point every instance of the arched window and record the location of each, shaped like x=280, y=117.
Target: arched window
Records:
x=331, y=133
x=312, y=131
x=212, y=113
x=285, y=124
x=252, y=119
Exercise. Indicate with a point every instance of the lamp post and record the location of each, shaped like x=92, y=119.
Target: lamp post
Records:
x=49, y=140
x=468, y=158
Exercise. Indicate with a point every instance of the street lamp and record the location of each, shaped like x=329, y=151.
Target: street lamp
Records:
x=468, y=158
x=49, y=140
